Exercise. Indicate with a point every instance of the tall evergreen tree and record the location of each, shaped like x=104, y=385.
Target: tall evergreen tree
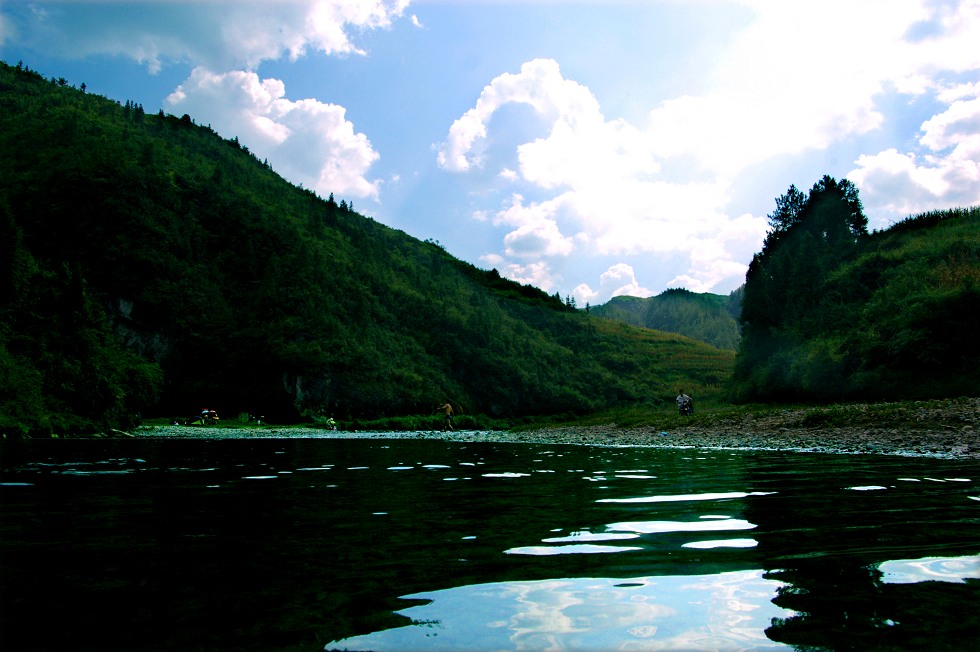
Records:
x=789, y=207
x=809, y=239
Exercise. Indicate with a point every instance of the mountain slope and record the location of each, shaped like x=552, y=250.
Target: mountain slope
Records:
x=151, y=266
x=709, y=318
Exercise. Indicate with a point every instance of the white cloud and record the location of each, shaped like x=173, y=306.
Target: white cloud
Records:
x=721, y=257
x=618, y=280
x=307, y=141
x=584, y=295
x=685, y=222
x=492, y=260
x=535, y=231
x=653, y=216
x=580, y=147
x=605, y=198
x=958, y=92
x=802, y=77
x=216, y=35
x=540, y=85
x=943, y=172
x=892, y=182
x=957, y=127
x=541, y=238
x=537, y=274
x=797, y=79
x=805, y=80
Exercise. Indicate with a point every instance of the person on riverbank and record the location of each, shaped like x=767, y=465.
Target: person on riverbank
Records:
x=447, y=409
x=685, y=404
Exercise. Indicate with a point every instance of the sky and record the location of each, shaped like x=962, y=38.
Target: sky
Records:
x=590, y=148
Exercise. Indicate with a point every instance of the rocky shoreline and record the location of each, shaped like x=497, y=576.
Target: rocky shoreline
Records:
x=948, y=433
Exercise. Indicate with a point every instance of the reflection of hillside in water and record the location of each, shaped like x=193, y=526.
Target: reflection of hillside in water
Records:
x=855, y=540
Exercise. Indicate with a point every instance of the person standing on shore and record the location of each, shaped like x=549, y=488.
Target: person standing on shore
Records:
x=448, y=410
x=685, y=404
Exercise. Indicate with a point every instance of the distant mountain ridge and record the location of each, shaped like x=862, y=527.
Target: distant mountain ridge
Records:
x=709, y=318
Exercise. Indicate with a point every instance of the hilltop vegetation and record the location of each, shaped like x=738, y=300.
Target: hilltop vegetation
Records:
x=834, y=313
x=709, y=318
x=150, y=266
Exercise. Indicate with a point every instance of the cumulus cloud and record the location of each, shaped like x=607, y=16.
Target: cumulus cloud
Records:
x=943, y=172
x=956, y=128
x=539, y=84
x=601, y=181
x=580, y=147
x=797, y=77
x=217, y=35
x=802, y=80
x=538, y=274
x=535, y=231
x=307, y=141
x=618, y=280
x=793, y=81
x=721, y=256
x=540, y=238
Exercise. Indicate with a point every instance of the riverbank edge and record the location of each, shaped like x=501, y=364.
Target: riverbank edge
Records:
x=947, y=443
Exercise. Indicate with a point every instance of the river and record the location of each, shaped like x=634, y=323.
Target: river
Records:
x=413, y=544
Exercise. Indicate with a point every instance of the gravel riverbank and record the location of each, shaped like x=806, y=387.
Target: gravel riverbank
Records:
x=947, y=430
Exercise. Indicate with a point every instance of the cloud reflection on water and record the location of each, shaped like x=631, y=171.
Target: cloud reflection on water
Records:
x=656, y=527
x=686, y=497
x=697, y=612
x=723, y=543
x=571, y=549
x=931, y=569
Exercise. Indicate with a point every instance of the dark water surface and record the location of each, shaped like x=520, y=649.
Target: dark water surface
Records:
x=302, y=544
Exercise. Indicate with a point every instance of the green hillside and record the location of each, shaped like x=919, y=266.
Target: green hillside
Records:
x=709, y=318
x=149, y=266
x=832, y=312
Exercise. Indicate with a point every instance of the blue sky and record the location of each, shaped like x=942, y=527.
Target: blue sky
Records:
x=591, y=148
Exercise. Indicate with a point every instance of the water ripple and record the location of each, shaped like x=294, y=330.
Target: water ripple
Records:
x=573, y=549
x=657, y=527
x=686, y=497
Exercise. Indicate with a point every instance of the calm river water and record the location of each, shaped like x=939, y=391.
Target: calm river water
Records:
x=385, y=545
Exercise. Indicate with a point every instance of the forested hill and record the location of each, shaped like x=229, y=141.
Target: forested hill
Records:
x=710, y=318
x=148, y=265
x=832, y=312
